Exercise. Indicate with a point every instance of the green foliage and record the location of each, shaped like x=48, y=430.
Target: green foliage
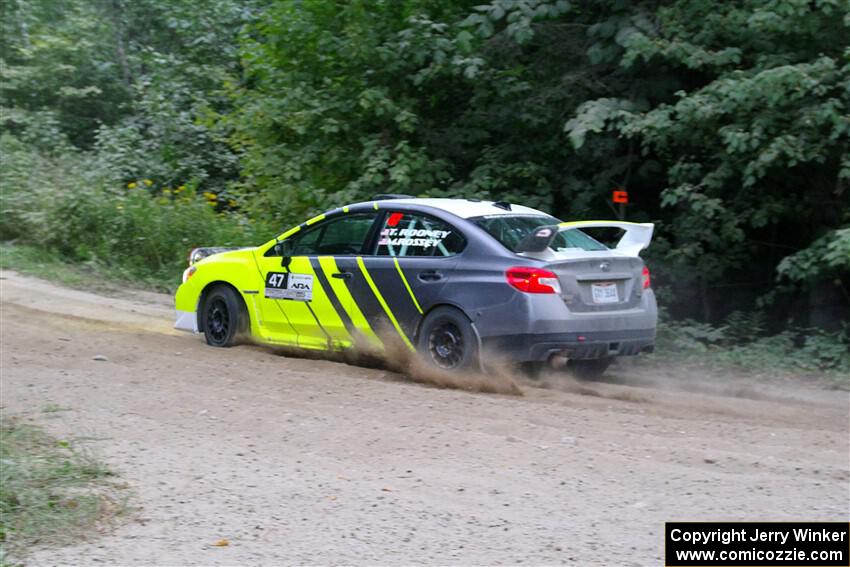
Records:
x=741, y=342
x=139, y=82
x=827, y=256
x=138, y=231
x=58, y=58
x=806, y=350
x=140, y=235
x=28, y=178
x=412, y=97
x=50, y=491
x=752, y=126
x=729, y=127
x=47, y=264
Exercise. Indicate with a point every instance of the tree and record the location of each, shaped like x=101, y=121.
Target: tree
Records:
x=754, y=139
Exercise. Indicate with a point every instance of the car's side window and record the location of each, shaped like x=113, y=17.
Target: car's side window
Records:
x=305, y=242
x=416, y=234
x=340, y=236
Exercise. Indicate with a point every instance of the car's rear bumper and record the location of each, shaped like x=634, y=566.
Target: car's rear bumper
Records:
x=597, y=344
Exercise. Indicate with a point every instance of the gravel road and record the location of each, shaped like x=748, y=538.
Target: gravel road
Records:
x=295, y=461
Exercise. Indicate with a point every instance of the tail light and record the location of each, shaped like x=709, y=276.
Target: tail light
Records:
x=646, y=281
x=533, y=280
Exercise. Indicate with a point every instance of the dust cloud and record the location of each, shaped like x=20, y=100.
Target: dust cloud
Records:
x=408, y=365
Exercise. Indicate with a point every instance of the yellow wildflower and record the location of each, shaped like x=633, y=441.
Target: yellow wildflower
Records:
x=131, y=185
x=231, y=203
x=209, y=196
x=166, y=191
x=180, y=189
x=147, y=182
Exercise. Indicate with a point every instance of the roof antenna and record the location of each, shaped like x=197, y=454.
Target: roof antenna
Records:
x=502, y=205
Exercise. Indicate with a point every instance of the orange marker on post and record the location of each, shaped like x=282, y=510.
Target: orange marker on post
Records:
x=620, y=197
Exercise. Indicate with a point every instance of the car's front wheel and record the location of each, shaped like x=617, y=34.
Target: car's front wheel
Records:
x=223, y=317
x=447, y=340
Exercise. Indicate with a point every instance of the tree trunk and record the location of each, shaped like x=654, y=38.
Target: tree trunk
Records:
x=704, y=301
x=115, y=9
x=22, y=23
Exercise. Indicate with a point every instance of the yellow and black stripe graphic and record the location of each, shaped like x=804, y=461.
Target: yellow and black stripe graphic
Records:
x=327, y=288
x=306, y=304
x=397, y=291
x=354, y=305
x=366, y=311
x=407, y=285
x=383, y=303
x=343, y=300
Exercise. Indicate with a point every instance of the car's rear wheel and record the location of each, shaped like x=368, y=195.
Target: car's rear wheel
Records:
x=224, y=318
x=589, y=369
x=447, y=340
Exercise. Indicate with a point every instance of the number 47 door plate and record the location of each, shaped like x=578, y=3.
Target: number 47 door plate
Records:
x=285, y=285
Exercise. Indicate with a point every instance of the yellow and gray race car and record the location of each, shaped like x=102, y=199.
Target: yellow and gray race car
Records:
x=449, y=278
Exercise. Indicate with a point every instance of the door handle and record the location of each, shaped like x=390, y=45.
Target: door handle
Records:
x=342, y=275
x=430, y=276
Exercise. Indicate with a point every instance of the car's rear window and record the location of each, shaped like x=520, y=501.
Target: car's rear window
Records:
x=511, y=229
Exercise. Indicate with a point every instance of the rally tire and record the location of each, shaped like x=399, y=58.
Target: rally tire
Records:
x=591, y=369
x=224, y=317
x=447, y=340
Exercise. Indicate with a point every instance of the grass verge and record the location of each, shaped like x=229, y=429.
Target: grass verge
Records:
x=808, y=354
x=51, y=492
x=47, y=265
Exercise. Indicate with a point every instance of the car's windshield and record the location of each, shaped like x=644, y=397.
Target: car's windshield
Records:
x=511, y=229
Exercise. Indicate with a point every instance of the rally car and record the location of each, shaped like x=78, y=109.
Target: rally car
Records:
x=449, y=278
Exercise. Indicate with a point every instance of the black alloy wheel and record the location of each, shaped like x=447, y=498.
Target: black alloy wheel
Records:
x=224, y=317
x=446, y=346
x=218, y=321
x=447, y=340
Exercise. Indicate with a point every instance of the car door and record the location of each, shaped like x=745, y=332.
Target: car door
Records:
x=301, y=294
x=414, y=256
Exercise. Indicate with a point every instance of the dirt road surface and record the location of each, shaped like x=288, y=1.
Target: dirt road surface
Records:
x=294, y=460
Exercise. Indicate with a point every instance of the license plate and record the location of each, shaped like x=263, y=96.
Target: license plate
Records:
x=605, y=293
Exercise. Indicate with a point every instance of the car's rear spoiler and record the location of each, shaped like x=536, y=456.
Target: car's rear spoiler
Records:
x=637, y=234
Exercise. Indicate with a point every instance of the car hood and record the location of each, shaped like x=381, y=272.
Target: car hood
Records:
x=198, y=254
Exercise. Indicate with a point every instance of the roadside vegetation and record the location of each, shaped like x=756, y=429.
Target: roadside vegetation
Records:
x=131, y=132
x=51, y=491
x=739, y=345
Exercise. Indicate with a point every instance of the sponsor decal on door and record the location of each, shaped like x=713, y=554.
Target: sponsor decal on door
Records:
x=285, y=285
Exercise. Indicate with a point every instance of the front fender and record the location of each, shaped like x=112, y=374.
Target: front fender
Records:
x=236, y=268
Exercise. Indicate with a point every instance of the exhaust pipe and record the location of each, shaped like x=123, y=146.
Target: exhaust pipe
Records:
x=558, y=361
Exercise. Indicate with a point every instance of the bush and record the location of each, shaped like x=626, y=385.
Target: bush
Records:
x=740, y=342
x=28, y=179
x=138, y=230
x=143, y=235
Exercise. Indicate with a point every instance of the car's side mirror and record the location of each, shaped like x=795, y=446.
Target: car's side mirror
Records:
x=284, y=250
x=539, y=239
